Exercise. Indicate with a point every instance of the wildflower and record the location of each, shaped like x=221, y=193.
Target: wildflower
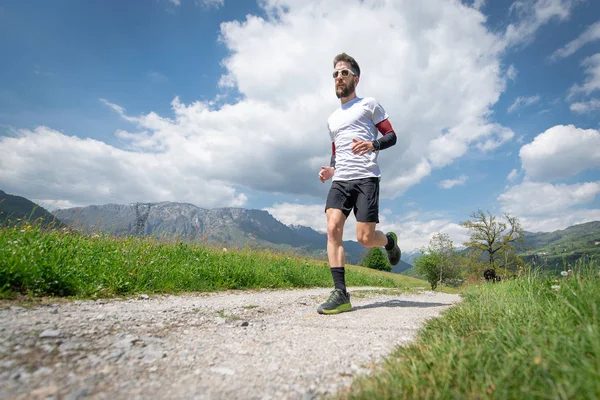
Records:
x=564, y=273
x=555, y=287
x=224, y=249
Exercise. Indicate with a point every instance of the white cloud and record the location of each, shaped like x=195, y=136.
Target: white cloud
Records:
x=531, y=15
x=52, y=205
x=450, y=183
x=592, y=81
x=547, y=207
x=306, y=215
x=204, y=3
x=560, y=152
x=47, y=164
x=212, y=3
x=157, y=77
x=585, y=106
x=521, y=102
x=512, y=72
x=479, y=4
x=274, y=138
x=413, y=230
x=591, y=34
x=513, y=175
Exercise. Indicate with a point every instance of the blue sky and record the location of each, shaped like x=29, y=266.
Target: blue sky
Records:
x=224, y=103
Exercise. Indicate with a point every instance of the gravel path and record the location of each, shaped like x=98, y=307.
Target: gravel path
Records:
x=234, y=345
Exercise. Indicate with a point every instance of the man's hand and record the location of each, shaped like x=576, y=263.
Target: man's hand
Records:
x=326, y=173
x=361, y=147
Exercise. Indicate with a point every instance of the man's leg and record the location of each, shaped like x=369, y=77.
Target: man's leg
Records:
x=369, y=237
x=339, y=301
x=367, y=217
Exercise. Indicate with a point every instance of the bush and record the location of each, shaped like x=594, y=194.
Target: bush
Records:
x=375, y=259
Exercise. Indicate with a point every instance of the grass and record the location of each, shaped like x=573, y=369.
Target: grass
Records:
x=44, y=262
x=533, y=337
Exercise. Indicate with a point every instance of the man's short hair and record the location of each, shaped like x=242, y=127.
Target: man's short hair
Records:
x=350, y=60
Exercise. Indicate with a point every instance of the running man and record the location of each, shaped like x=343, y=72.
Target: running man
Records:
x=354, y=128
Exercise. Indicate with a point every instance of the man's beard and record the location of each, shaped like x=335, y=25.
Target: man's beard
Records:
x=346, y=90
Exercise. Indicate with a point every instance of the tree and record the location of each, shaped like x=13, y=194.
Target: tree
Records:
x=375, y=259
x=441, y=244
x=437, y=263
x=428, y=265
x=490, y=235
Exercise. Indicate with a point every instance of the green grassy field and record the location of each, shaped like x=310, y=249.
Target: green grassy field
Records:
x=529, y=338
x=39, y=262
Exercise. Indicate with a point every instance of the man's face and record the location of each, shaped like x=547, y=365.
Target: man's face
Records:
x=344, y=86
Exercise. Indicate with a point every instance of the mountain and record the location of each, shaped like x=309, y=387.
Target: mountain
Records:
x=228, y=227
x=554, y=249
x=401, y=267
x=16, y=207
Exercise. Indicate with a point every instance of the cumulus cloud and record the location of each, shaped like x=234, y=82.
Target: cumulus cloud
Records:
x=450, y=183
x=521, y=102
x=546, y=207
x=46, y=164
x=591, y=34
x=560, y=152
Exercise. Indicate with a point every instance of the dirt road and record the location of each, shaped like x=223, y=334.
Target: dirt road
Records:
x=235, y=345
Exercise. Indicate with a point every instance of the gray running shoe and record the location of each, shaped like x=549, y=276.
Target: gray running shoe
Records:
x=394, y=254
x=338, y=302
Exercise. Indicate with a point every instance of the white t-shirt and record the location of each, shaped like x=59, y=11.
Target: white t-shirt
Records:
x=355, y=119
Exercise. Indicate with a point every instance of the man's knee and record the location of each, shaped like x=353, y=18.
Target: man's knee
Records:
x=365, y=237
x=334, y=230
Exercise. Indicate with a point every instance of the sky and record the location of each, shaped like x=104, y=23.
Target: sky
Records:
x=224, y=103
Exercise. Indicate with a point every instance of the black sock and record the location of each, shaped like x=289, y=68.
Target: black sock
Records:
x=390, y=244
x=338, y=278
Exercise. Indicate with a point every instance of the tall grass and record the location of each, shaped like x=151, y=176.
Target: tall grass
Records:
x=40, y=262
x=534, y=337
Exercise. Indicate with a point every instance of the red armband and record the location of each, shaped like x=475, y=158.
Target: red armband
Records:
x=385, y=127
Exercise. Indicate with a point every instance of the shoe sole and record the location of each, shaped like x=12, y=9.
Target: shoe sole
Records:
x=340, y=309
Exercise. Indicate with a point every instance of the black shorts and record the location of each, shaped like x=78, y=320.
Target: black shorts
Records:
x=362, y=195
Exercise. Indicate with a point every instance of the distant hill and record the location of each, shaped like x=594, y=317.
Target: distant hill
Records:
x=229, y=227
x=553, y=249
x=14, y=207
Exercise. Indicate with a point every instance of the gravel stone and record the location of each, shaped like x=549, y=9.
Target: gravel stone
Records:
x=193, y=346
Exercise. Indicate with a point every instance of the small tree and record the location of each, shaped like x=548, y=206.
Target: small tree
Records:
x=441, y=244
x=375, y=259
x=429, y=265
x=490, y=235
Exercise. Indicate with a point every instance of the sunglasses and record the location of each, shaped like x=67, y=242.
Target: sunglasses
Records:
x=344, y=72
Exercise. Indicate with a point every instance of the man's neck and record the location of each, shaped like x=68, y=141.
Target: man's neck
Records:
x=351, y=96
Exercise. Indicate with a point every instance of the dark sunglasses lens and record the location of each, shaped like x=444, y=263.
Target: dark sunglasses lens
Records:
x=345, y=73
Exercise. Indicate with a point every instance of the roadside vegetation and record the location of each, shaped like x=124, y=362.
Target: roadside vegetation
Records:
x=533, y=337
x=38, y=261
